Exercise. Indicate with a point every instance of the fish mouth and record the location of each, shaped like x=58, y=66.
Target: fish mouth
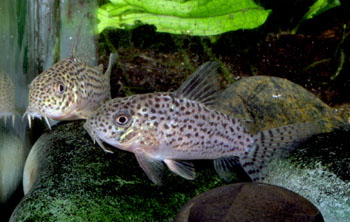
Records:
x=95, y=138
x=31, y=115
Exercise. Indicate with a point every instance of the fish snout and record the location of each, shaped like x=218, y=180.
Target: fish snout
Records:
x=90, y=129
x=31, y=113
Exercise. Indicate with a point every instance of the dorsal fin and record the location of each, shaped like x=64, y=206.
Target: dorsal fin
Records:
x=112, y=59
x=202, y=86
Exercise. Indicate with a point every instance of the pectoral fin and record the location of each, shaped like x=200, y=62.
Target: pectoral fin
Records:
x=225, y=167
x=152, y=167
x=182, y=168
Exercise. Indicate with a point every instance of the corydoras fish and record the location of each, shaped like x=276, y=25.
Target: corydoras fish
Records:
x=69, y=90
x=7, y=98
x=174, y=127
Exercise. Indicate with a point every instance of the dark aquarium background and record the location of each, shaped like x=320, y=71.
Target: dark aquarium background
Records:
x=61, y=175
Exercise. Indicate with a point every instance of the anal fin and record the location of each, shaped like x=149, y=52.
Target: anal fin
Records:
x=152, y=167
x=225, y=167
x=181, y=168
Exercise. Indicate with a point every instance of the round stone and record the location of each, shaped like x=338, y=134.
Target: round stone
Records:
x=12, y=158
x=249, y=202
x=270, y=102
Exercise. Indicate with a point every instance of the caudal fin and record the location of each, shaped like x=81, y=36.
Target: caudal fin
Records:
x=274, y=143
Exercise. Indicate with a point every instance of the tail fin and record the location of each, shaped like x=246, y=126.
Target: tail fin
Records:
x=273, y=143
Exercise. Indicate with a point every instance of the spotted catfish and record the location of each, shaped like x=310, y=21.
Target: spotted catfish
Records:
x=175, y=127
x=7, y=98
x=69, y=90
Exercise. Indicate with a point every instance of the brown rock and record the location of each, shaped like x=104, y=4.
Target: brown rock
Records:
x=271, y=102
x=249, y=202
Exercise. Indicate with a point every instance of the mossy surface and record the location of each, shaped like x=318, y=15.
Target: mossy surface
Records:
x=331, y=150
x=79, y=182
x=327, y=192
x=319, y=171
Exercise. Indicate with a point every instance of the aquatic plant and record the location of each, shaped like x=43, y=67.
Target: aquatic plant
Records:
x=341, y=51
x=321, y=6
x=317, y=8
x=191, y=17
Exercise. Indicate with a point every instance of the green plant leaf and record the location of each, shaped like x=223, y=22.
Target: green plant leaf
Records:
x=321, y=6
x=317, y=8
x=192, y=17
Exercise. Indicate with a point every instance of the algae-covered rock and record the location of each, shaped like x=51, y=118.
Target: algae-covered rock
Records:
x=74, y=180
x=270, y=102
x=249, y=202
x=319, y=171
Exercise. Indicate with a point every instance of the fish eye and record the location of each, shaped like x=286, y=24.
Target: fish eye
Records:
x=122, y=118
x=59, y=88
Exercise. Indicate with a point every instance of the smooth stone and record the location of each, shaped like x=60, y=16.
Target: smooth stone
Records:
x=68, y=178
x=12, y=158
x=32, y=164
x=271, y=102
x=249, y=202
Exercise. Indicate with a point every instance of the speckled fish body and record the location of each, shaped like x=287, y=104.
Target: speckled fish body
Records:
x=69, y=90
x=7, y=97
x=176, y=127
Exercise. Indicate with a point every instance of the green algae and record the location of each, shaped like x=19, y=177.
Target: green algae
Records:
x=77, y=181
x=319, y=171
